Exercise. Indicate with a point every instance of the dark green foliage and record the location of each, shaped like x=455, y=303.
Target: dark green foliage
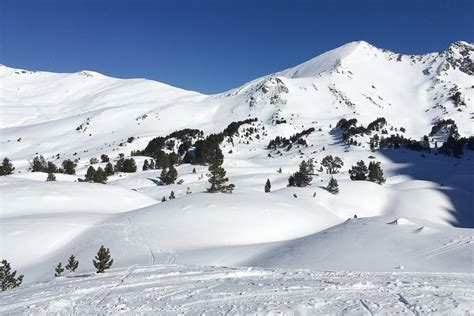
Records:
x=51, y=168
x=109, y=169
x=89, y=177
x=58, y=270
x=126, y=165
x=72, y=264
x=233, y=127
x=102, y=260
x=449, y=126
x=333, y=187
x=169, y=176
x=279, y=141
x=100, y=176
x=39, y=164
x=171, y=197
x=375, y=173
x=104, y=158
x=69, y=166
x=470, y=143
x=453, y=146
x=8, y=279
x=146, y=165
x=268, y=186
x=217, y=179
x=359, y=171
x=332, y=164
x=163, y=199
x=302, y=177
x=152, y=164
x=51, y=177
x=378, y=124
x=7, y=167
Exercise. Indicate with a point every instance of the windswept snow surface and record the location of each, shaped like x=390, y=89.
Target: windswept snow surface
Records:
x=420, y=220
x=197, y=290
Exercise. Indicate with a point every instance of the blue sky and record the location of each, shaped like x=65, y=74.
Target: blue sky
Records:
x=211, y=46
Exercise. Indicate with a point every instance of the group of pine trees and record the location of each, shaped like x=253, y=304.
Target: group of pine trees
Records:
x=97, y=176
x=303, y=176
x=102, y=261
x=373, y=173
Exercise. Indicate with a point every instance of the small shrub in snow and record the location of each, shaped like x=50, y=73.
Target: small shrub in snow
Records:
x=58, y=270
x=268, y=186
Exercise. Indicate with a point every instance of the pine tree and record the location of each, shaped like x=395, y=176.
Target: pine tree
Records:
x=163, y=199
x=217, y=178
x=171, y=197
x=129, y=165
x=104, y=158
x=188, y=190
x=376, y=173
x=51, y=177
x=194, y=170
x=152, y=164
x=90, y=174
x=359, y=171
x=146, y=165
x=58, y=270
x=333, y=187
x=302, y=177
x=268, y=186
x=332, y=164
x=69, y=166
x=39, y=164
x=168, y=176
x=100, y=176
x=7, y=167
x=279, y=170
x=72, y=264
x=102, y=260
x=8, y=279
x=51, y=167
x=109, y=169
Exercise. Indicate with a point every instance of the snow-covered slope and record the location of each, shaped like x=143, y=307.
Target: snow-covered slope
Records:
x=427, y=198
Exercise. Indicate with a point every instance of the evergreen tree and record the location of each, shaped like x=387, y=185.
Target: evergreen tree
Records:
x=171, y=197
x=146, y=165
x=188, y=190
x=163, y=199
x=119, y=164
x=100, y=176
x=51, y=177
x=333, y=187
x=58, y=270
x=51, y=167
x=89, y=177
x=217, y=178
x=302, y=177
x=38, y=164
x=129, y=165
x=194, y=170
x=7, y=167
x=102, y=260
x=376, y=173
x=152, y=164
x=109, y=169
x=332, y=164
x=268, y=186
x=69, y=166
x=93, y=160
x=104, y=158
x=168, y=176
x=8, y=279
x=72, y=264
x=359, y=171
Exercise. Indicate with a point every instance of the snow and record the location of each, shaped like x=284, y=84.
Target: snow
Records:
x=419, y=221
x=196, y=290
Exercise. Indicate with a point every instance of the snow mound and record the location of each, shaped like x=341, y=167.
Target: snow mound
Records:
x=401, y=221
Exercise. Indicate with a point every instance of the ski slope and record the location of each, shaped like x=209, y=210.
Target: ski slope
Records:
x=413, y=234
x=191, y=290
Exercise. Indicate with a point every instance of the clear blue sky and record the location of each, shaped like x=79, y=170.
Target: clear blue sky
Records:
x=211, y=46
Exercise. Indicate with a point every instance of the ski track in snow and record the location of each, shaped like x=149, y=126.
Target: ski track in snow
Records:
x=177, y=289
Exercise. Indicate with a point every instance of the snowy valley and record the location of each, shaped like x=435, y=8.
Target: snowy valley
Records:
x=305, y=227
